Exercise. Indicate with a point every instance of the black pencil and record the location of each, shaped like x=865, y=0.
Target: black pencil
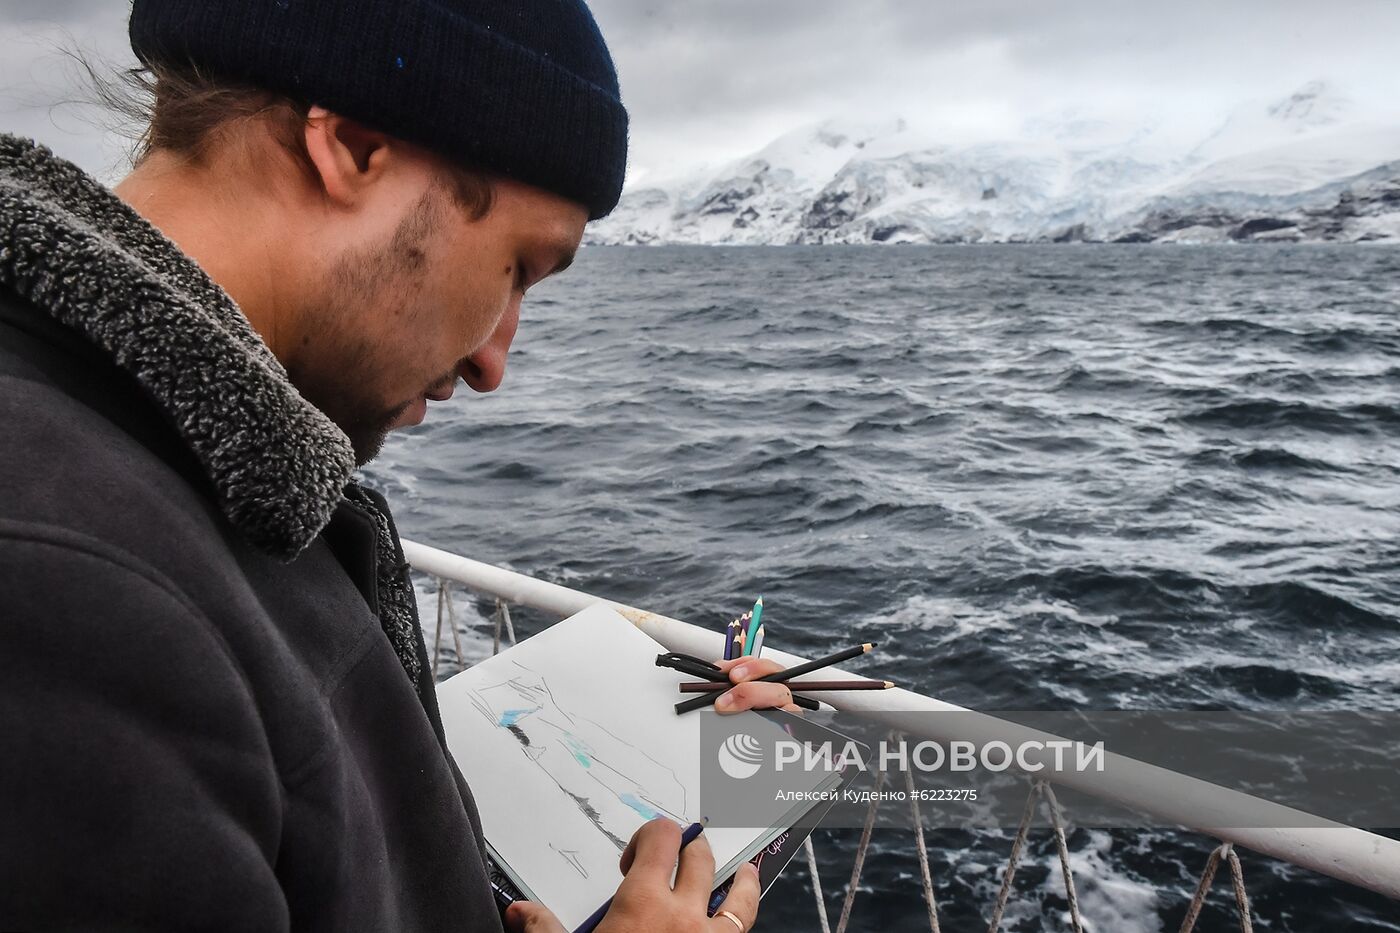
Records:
x=708, y=699
x=705, y=686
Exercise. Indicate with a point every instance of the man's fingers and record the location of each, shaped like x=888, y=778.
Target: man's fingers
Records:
x=624, y=861
x=748, y=668
x=629, y=852
x=529, y=917
x=753, y=696
x=741, y=901
x=651, y=854
x=695, y=876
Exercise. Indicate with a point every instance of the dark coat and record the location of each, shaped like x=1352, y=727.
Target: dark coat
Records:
x=216, y=711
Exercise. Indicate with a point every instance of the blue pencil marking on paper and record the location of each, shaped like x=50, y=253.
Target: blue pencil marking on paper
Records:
x=579, y=750
x=511, y=716
x=636, y=804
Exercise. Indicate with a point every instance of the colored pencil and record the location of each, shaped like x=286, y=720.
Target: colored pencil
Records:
x=819, y=663
x=688, y=664
x=692, y=832
x=708, y=699
x=695, y=670
x=758, y=644
x=730, y=631
x=753, y=623
x=794, y=685
x=798, y=700
x=739, y=645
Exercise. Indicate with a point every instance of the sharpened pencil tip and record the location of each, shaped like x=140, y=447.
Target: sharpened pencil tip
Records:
x=869, y=645
x=889, y=684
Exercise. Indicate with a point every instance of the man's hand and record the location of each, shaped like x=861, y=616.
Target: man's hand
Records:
x=646, y=901
x=753, y=695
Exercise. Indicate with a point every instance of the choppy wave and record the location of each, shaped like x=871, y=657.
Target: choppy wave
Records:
x=1105, y=477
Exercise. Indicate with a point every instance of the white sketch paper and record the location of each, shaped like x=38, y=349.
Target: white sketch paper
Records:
x=569, y=743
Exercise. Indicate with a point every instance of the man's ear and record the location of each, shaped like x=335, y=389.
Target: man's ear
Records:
x=346, y=156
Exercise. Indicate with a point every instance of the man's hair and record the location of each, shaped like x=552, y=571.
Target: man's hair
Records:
x=185, y=111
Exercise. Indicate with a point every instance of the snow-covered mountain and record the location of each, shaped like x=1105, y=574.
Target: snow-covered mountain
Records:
x=1302, y=168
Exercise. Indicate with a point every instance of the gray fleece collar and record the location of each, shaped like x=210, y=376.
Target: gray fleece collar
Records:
x=74, y=249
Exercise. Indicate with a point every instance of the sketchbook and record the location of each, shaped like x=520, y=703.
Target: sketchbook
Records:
x=565, y=766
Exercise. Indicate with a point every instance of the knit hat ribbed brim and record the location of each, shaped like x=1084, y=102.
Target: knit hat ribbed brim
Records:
x=525, y=88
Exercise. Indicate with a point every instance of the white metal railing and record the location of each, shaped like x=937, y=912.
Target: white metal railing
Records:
x=1346, y=853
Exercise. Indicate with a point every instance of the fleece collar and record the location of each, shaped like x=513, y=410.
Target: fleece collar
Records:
x=74, y=249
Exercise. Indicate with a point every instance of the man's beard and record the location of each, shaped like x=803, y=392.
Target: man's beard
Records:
x=340, y=372
x=363, y=419
x=367, y=434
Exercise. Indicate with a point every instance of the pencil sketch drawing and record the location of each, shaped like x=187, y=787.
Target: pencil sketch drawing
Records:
x=614, y=784
x=571, y=857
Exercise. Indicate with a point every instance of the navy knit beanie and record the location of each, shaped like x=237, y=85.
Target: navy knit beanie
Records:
x=525, y=88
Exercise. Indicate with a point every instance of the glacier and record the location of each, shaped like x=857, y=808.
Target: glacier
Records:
x=1301, y=169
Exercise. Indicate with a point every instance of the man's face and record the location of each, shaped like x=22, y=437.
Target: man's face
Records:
x=432, y=297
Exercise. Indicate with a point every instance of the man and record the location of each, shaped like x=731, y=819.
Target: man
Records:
x=216, y=711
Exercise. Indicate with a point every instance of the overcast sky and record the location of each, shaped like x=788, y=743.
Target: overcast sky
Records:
x=706, y=80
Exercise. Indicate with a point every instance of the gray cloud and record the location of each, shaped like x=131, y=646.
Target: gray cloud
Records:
x=42, y=90
x=52, y=11
x=706, y=78
x=711, y=79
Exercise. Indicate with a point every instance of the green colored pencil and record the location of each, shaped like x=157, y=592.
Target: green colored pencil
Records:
x=753, y=625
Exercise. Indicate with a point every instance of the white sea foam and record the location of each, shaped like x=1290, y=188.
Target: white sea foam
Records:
x=1110, y=900
x=956, y=618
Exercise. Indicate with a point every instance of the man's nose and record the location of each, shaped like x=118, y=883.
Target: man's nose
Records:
x=486, y=368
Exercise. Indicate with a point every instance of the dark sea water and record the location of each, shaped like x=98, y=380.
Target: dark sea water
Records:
x=1060, y=477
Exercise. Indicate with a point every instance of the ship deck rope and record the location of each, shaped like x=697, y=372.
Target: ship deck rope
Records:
x=1040, y=792
x=1227, y=852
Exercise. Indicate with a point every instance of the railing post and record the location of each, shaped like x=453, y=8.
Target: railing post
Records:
x=437, y=637
x=456, y=637
x=861, y=850
x=816, y=884
x=1057, y=823
x=924, y=871
x=510, y=626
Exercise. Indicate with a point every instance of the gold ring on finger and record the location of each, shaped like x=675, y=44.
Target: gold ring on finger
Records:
x=739, y=924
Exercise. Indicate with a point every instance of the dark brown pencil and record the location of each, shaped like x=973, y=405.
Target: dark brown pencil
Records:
x=708, y=699
x=705, y=686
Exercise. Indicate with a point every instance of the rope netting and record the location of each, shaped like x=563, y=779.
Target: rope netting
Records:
x=1040, y=793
